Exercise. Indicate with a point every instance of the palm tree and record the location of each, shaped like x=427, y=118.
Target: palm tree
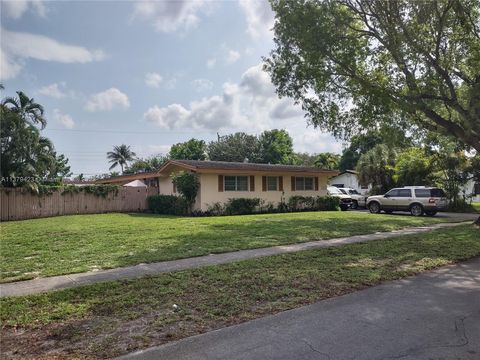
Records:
x=327, y=161
x=30, y=111
x=120, y=155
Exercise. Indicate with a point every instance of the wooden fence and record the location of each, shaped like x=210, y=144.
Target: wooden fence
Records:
x=20, y=204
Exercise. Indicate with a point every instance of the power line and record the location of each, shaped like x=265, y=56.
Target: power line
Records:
x=133, y=131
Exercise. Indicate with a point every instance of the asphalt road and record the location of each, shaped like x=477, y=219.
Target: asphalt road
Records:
x=434, y=316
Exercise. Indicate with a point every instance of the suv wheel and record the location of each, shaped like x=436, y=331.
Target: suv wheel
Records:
x=416, y=210
x=354, y=205
x=374, y=207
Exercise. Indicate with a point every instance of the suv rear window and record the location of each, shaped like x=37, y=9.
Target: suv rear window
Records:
x=422, y=193
x=438, y=193
x=425, y=193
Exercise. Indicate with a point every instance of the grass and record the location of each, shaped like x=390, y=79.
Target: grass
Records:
x=72, y=244
x=476, y=206
x=105, y=320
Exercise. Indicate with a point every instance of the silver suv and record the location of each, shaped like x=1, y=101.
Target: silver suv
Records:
x=416, y=199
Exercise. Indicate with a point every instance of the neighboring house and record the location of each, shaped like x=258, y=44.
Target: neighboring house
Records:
x=471, y=191
x=148, y=178
x=220, y=181
x=349, y=179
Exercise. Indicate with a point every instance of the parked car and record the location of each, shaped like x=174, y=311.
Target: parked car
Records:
x=345, y=200
x=416, y=199
x=357, y=198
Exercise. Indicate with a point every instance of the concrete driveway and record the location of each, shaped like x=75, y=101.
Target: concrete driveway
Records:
x=435, y=315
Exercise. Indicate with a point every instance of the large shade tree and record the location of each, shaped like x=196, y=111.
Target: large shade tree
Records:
x=120, y=156
x=192, y=149
x=276, y=147
x=358, y=64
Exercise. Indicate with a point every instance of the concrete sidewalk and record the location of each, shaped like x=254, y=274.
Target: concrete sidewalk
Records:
x=435, y=315
x=73, y=280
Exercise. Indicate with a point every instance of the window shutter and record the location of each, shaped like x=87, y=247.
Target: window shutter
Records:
x=264, y=183
x=220, y=183
x=280, y=183
x=174, y=188
x=316, y=183
x=252, y=183
x=293, y=183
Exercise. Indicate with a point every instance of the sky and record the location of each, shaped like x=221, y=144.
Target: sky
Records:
x=148, y=74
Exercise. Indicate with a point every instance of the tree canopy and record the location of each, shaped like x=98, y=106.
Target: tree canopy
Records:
x=236, y=147
x=276, y=147
x=28, y=158
x=361, y=64
x=192, y=149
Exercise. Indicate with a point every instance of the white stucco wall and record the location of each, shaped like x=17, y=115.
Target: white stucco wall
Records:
x=468, y=189
x=349, y=180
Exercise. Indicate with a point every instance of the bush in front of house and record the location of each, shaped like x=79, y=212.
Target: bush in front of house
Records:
x=327, y=203
x=168, y=205
x=242, y=206
x=313, y=203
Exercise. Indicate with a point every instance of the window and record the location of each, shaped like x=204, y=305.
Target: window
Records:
x=344, y=191
x=422, y=193
x=404, y=193
x=392, y=193
x=354, y=192
x=272, y=183
x=304, y=183
x=236, y=183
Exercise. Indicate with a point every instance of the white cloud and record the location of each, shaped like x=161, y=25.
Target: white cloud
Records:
x=18, y=46
x=109, y=99
x=55, y=90
x=211, y=63
x=232, y=56
x=202, y=85
x=153, y=79
x=15, y=9
x=251, y=106
x=9, y=68
x=63, y=119
x=170, y=16
x=259, y=17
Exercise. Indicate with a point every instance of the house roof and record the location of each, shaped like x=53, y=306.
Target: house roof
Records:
x=206, y=166
x=128, y=177
x=209, y=166
x=353, y=172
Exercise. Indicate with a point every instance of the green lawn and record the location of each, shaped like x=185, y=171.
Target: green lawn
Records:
x=476, y=206
x=105, y=320
x=71, y=244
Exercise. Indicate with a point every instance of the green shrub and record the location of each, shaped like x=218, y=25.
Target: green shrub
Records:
x=216, y=208
x=327, y=203
x=242, y=206
x=460, y=206
x=168, y=205
x=310, y=203
x=187, y=185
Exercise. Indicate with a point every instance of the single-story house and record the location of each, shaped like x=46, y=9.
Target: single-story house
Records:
x=221, y=180
x=149, y=178
x=349, y=179
x=471, y=191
